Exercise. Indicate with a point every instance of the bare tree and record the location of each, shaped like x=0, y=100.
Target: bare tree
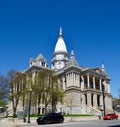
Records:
x=119, y=93
x=4, y=91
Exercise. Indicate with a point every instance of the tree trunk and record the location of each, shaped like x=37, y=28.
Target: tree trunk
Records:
x=45, y=109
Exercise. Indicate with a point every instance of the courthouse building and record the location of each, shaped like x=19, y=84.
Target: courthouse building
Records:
x=87, y=90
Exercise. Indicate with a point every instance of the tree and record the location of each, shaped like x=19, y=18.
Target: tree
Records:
x=3, y=87
x=16, y=90
x=46, y=89
x=10, y=74
x=44, y=85
x=4, y=90
x=119, y=93
x=57, y=93
x=116, y=100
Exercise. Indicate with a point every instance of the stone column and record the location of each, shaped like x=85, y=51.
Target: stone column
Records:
x=78, y=80
x=93, y=82
x=108, y=88
x=88, y=81
x=71, y=78
x=83, y=100
x=105, y=86
x=45, y=65
x=74, y=79
x=100, y=84
x=101, y=100
x=67, y=80
x=82, y=83
x=95, y=100
x=89, y=99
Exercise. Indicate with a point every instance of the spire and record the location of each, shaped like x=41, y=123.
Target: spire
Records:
x=60, y=45
x=72, y=54
x=72, y=60
x=103, y=67
x=60, y=31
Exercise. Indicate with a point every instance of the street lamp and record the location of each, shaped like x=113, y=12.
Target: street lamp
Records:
x=103, y=89
x=1, y=109
x=29, y=106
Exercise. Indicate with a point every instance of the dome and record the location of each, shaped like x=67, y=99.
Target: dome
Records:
x=60, y=45
x=72, y=60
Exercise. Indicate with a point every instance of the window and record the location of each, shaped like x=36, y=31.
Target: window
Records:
x=43, y=110
x=86, y=99
x=43, y=63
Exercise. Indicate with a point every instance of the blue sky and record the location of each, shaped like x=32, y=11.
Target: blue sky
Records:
x=90, y=27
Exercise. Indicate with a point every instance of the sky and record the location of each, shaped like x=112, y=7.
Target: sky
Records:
x=91, y=27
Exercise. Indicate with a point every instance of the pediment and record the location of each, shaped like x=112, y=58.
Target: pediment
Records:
x=98, y=70
x=33, y=68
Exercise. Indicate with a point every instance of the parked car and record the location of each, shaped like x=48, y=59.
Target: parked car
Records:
x=110, y=116
x=51, y=118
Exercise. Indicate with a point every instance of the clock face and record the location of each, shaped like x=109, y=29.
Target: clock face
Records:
x=60, y=65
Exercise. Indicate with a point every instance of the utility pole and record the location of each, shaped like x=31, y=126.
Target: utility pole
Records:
x=29, y=106
x=103, y=89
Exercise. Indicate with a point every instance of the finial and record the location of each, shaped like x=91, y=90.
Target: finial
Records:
x=60, y=31
x=72, y=53
x=103, y=67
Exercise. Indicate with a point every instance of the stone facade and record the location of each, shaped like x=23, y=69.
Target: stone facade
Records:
x=84, y=87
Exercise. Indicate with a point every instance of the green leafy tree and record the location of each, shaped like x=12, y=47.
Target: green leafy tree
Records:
x=57, y=93
x=46, y=89
x=44, y=85
x=16, y=90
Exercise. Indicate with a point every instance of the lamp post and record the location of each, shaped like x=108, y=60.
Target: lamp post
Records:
x=103, y=89
x=29, y=108
x=0, y=111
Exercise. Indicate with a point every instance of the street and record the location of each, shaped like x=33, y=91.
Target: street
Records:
x=97, y=123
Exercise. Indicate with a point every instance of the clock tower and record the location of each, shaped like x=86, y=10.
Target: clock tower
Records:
x=60, y=56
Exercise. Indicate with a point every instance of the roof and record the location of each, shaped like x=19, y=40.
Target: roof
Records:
x=96, y=70
x=39, y=57
x=72, y=60
x=34, y=68
x=60, y=45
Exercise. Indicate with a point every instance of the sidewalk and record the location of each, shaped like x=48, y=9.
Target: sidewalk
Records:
x=11, y=123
